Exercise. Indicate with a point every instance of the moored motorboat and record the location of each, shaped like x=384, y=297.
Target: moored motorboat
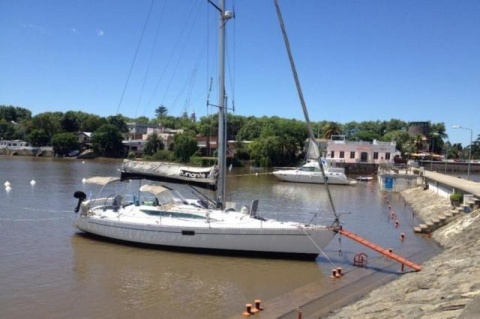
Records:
x=311, y=173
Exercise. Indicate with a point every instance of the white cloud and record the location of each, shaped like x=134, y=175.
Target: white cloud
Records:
x=74, y=30
x=100, y=33
x=35, y=27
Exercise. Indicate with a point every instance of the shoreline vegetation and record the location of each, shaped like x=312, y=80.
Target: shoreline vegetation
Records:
x=265, y=141
x=448, y=286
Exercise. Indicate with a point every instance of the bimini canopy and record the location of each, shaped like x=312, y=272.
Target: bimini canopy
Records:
x=154, y=189
x=101, y=180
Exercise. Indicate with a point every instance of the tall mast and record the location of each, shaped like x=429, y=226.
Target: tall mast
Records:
x=224, y=16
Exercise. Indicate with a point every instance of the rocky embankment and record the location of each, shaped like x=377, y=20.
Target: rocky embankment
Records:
x=448, y=286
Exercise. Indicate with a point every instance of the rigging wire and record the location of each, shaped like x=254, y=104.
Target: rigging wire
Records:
x=320, y=249
x=135, y=56
x=182, y=49
x=169, y=62
x=150, y=59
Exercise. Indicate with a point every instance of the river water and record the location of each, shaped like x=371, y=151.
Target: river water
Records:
x=48, y=269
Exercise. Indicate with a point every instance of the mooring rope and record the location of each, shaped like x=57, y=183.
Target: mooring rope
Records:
x=251, y=174
x=37, y=209
x=32, y=219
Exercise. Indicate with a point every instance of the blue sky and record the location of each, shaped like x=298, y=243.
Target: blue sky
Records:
x=358, y=60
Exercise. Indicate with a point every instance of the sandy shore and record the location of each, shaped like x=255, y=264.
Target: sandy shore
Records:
x=448, y=286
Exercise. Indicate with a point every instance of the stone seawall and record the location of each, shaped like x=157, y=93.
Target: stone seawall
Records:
x=34, y=151
x=359, y=168
x=449, y=284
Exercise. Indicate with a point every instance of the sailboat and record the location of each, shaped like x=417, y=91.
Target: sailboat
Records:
x=139, y=209
x=311, y=172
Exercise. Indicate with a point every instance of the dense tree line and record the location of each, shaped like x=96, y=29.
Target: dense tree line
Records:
x=272, y=141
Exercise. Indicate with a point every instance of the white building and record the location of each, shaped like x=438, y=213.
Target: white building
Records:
x=340, y=150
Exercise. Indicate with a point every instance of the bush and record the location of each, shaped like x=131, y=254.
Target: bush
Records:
x=202, y=161
x=456, y=199
x=162, y=156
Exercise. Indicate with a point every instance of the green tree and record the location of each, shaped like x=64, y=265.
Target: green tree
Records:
x=70, y=122
x=13, y=113
x=161, y=111
x=396, y=125
x=265, y=150
x=49, y=122
x=350, y=130
x=8, y=130
x=402, y=139
x=107, y=141
x=184, y=147
x=141, y=120
x=154, y=143
x=251, y=129
x=367, y=136
x=90, y=122
x=38, y=137
x=64, y=143
x=119, y=121
x=331, y=128
x=208, y=125
x=419, y=143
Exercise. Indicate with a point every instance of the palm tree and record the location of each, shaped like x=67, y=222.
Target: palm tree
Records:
x=331, y=128
x=419, y=142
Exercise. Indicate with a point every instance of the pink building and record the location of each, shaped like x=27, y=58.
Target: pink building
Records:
x=340, y=150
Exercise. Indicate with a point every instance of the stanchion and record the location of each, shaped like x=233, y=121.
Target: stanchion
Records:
x=299, y=311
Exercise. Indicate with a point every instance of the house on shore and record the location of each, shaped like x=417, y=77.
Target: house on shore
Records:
x=341, y=151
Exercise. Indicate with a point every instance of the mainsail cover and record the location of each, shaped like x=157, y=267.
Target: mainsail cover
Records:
x=205, y=177
x=313, y=153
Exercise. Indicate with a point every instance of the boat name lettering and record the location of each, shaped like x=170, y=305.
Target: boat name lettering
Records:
x=193, y=174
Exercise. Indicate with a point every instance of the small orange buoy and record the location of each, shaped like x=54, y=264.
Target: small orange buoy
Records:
x=402, y=236
x=396, y=223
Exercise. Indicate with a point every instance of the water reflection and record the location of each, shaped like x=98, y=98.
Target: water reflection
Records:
x=153, y=281
x=49, y=270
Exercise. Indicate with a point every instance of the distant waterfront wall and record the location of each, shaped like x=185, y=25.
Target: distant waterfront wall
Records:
x=27, y=151
x=359, y=168
x=450, y=167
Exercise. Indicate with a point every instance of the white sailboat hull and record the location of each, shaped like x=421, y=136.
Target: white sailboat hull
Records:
x=298, y=176
x=252, y=238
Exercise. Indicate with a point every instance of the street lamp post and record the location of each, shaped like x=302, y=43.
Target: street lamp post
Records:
x=446, y=158
x=433, y=150
x=470, y=148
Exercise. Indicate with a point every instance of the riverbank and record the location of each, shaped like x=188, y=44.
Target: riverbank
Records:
x=448, y=286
